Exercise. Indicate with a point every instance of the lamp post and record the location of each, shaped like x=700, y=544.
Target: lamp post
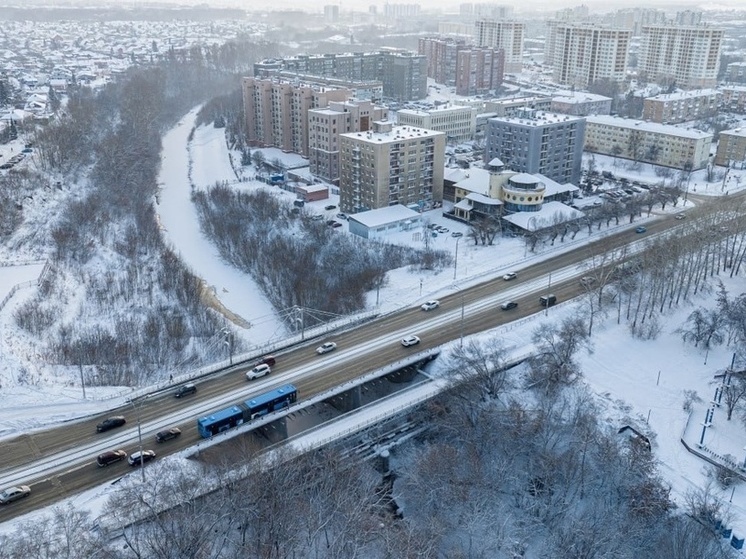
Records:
x=139, y=438
x=228, y=341
x=455, y=260
x=549, y=292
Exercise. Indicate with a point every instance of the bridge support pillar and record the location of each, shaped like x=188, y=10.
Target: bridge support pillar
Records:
x=347, y=401
x=276, y=431
x=406, y=374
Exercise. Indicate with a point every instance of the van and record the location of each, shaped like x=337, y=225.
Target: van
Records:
x=547, y=300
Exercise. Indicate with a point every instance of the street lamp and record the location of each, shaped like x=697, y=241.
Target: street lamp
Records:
x=228, y=341
x=139, y=437
x=455, y=260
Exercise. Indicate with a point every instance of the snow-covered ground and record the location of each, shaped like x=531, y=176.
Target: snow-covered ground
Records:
x=640, y=382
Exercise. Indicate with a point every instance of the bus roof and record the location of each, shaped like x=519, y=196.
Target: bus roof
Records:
x=219, y=415
x=271, y=395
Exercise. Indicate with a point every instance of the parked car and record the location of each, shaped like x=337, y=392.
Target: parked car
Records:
x=185, y=390
x=317, y=217
x=507, y=305
x=430, y=305
x=330, y=222
x=410, y=341
x=510, y=276
x=587, y=281
x=326, y=348
x=640, y=229
x=680, y=216
x=111, y=423
x=167, y=435
x=341, y=216
x=109, y=457
x=138, y=458
x=457, y=234
x=330, y=207
x=14, y=494
x=258, y=371
x=336, y=224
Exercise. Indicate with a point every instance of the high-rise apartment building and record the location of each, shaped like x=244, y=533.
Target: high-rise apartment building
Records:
x=276, y=111
x=484, y=10
x=507, y=35
x=472, y=70
x=400, y=10
x=326, y=124
x=403, y=73
x=586, y=53
x=391, y=165
x=538, y=142
x=687, y=56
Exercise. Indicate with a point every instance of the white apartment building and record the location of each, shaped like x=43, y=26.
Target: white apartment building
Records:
x=580, y=103
x=458, y=123
x=682, y=106
x=391, y=165
x=507, y=35
x=647, y=142
x=584, y=53
x=326, y=124
x=687, y=56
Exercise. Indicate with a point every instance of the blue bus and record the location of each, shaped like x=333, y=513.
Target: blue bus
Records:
x=246, y=411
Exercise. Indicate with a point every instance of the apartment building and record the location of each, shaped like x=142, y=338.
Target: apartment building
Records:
x=507, y=35
x=513, y=105
x=458, y=123
x=403, y=73
x=538, y=142
x=584, y=53
x=734, y=98
x=736, y=72
x=471, y=70
x=672, y=108
x=579, y=103
x=391, y=165
x=647, y=142
x=276, y=111
x=485, y=9
x=326, y=124
x=687, y=56
x=635, y=18
x=731, y=150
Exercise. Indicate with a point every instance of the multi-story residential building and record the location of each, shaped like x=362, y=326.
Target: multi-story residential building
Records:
x=391, y=165
x=736, y=72
x=455, y=28
x=331, y=12
x=687, y=56
x=507, y=35
x=647, y=142
x=485, y=9
x=400, y=10
x=634, y=19
x=403, y=73
x=734, y=98
x=672, y=108
x=514, y=105
x=363, y=90
x=731, y=150
x=326, y=124
x=276, y=111
x=538, y=142
x=579, y=103
x=688, y=17
x=456, y=122
x=472, y=70
x=586, y=53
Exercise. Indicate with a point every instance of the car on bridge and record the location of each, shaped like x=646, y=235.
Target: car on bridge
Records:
x=430, y=305
x=14, y=494
x=111, y=423
x=510, y=276
x=185, y=390
x=640, y=229
x=167, y=435
x=507, y=305
x=258, y=372
x=410, y=341
x=139, y=458
x=326, y=348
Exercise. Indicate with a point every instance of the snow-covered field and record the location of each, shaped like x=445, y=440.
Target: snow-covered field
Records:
x=640, y=383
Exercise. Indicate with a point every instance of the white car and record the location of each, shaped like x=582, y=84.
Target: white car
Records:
x=14, y=493
x=410, y=341
x=430, y=305
x=326, y=348
x=258, y=371
x=510, y=276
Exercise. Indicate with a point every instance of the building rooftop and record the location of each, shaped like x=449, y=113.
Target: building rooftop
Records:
x=537, y=118
x=384, y=216
x=397, y=133
x=578, y=97
x=739, y=132
x=679, y=95
x=653, y=127
x=436, y=109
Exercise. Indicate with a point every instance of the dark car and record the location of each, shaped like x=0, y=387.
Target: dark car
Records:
x=111, y=423
x=138, y=458
x=109, y=457
x=267, y=360
x=185, y=390
x=330, y=207
x=167, y=435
